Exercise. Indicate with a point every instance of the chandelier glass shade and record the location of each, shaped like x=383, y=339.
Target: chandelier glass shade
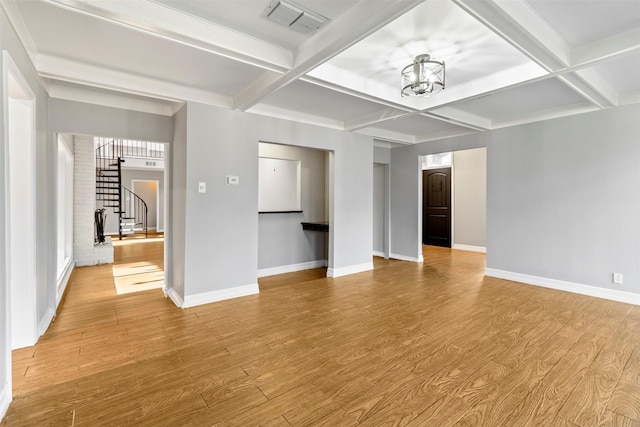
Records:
x=423, y=77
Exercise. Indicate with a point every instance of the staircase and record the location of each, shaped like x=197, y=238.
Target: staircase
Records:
x=130, y=208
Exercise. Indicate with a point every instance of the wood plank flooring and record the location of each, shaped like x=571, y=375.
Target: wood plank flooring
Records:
x=433, y=344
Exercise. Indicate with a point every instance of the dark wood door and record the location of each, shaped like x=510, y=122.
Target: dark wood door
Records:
x=436, y=207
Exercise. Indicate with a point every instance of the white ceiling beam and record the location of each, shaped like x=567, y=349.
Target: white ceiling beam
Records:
x=514, y=22
x=171, y=24
x=629, y=98
x=449, y=133
x=461, y=118
x=606, y=49
x=337, y=36
x=388, y=135
x=284, y=113
x=549, y=114
x=375, y=118
x=599, y=85
x=589, y=90
x=86, y=94
x=82, y=73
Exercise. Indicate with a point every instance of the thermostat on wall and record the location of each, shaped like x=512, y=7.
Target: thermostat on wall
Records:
x=233, y=180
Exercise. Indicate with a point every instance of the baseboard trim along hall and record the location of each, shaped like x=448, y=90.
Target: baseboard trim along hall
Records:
x=220, y=295
x=45, y=322
x=576, y=288
x=177, y=300
x=378, y=253
x=407, y=258
x=291, y=268
x=5, y=400
x=470, y=248
x=352, y=269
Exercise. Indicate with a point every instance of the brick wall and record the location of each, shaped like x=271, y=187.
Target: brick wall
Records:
x=84, y=205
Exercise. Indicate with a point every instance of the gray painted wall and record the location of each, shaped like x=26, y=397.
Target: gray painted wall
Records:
x=221, y=226
x=96, y=120
x=281, y=240
x=381, y=155
x=563, y=199
x=470, y=197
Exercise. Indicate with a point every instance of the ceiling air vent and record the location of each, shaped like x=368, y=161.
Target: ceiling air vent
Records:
x=294, y=16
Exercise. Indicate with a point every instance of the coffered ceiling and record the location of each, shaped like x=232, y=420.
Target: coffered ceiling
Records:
x=507, y=61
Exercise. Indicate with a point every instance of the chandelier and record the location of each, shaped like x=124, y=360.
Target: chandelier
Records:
x=423, y=77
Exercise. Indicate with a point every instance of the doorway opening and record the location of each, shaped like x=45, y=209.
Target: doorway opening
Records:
x=295, y=203
x=453, y=200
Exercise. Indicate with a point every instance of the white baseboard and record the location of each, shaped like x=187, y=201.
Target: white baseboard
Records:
x=407, y=258
x=5, y=399
x=263, y=272
x=351, y=269
x=44, y=323
x=63, y=281
x=220, y=295
x=177, y=299
x=576, y=288
x=379, y=253
x=470, y=248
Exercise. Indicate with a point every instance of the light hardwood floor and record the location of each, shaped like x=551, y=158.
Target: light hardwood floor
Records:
x=433, y=344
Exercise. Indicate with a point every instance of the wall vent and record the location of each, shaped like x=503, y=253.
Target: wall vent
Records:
x=294, y=16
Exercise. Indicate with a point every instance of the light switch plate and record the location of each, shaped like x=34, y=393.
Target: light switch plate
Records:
x=202, y=187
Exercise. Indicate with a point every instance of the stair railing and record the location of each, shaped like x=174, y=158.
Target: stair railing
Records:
x=109, y=158
x=135, y=208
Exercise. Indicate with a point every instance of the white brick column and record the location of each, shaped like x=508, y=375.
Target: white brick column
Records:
x=84, y=205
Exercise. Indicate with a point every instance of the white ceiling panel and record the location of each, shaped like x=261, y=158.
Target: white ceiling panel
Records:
x=586, y=21
x=439, y=28
x=539, y=96
x=623, y=74
x=309, y=98
x=244, y=16
x=61, y=33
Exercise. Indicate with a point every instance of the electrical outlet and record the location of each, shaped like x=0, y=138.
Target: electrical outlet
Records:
x=617, y=278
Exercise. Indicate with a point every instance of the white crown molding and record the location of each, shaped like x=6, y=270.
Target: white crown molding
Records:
x=15, y=18
x=576, y=288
